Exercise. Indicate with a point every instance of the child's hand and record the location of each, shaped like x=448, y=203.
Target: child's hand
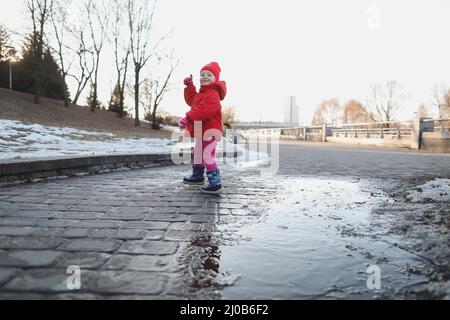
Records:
x=189, y=81
x=184, y=123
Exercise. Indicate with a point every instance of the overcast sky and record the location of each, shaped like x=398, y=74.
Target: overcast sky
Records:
x=315, y=50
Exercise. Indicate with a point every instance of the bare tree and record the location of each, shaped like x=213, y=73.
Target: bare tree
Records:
x=97, y=17
x=5, y=42
x=229, y=115
x=422, y=111
x=140, y=23
x=441, y=99
x=386, y=100
x=86, y=64
x=355, y=112
x=327, y=112
x=154, y=91
x=59, y=19
x=160, y=88
x=121, y=54
x=39, y=11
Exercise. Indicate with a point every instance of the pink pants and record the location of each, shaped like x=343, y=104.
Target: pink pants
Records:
x=205, y=154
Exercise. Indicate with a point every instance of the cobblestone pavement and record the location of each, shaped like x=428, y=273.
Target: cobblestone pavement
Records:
x=141, y=234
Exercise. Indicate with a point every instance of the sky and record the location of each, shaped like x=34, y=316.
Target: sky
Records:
x=314, y=50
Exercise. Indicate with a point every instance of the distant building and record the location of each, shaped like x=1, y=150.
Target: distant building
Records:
x=291, y=112
x=444, y=111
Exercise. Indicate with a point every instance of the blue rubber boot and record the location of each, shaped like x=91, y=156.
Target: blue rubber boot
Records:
x=215, y=183
x=197, y=178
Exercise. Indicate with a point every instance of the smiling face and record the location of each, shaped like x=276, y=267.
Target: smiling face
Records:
x=207, y=78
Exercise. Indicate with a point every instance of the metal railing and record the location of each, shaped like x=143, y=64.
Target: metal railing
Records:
x=378, y=130
x=437, y=125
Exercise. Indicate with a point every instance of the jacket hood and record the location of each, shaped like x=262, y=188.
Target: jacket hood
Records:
x=220, y=86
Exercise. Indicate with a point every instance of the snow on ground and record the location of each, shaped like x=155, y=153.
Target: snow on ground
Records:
x=25, y=141
x=435, y=190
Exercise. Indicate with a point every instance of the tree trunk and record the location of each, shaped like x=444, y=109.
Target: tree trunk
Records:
x=75, y=100
x=66, y=95
x=121, y=102
x=154, y=124
x=95, y=98
x=136, y=96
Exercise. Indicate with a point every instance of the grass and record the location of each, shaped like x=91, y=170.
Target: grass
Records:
x=19, y=106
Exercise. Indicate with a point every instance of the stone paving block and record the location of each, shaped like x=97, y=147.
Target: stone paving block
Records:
x=32, y=243
x=124, y=234
x=98, y=208
x=201, y=218
x=7, y=212
x=194, y=211
x=154, y=235
x=146, y=204
x=128, y=210
x=146, y=247
x=48, y=232
x=144, y=263
x=47, y=281
x=106, y=202
x=99, y=224
x=43, y=207
x=16, y=231
x=186, y=204
x=35, y=214
x=179, y=235
x=167, y=217
x=129, y=282
x=65, y=201
x=84, y=260
x=57, y=223
x=187, y=226
x=91, y=245
x=27, y=199
x=76, y=233
x=29, y=259
x=127, y=216
x=156, y=210
x=25, y=222
x=79, y=215
x=7, y=273
x=147, y=225
x=231, y=205
x=224, y=212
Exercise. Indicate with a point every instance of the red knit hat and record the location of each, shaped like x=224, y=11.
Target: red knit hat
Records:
x=214, y=68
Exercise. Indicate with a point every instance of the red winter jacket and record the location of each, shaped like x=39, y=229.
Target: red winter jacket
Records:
x=205, y=106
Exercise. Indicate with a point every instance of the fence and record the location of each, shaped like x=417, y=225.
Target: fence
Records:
x=420, y=133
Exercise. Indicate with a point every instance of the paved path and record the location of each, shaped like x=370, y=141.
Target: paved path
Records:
x=129, y=232
x=308, y=158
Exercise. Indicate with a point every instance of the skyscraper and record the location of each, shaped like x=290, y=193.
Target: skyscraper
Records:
x=291, y=112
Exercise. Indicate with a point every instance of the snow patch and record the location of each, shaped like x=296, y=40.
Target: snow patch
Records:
x=437, y=190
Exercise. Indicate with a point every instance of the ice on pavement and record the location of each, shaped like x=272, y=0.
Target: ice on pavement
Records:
x=435, y=190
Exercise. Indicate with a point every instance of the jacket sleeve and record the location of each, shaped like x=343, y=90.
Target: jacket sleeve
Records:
x=209, y=106
x=189, y=94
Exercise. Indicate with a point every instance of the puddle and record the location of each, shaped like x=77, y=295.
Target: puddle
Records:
x=317, y=243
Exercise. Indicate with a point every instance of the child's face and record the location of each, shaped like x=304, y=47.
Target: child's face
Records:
x=207, y=77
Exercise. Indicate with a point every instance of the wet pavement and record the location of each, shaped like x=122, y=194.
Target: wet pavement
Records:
x=313, y=231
